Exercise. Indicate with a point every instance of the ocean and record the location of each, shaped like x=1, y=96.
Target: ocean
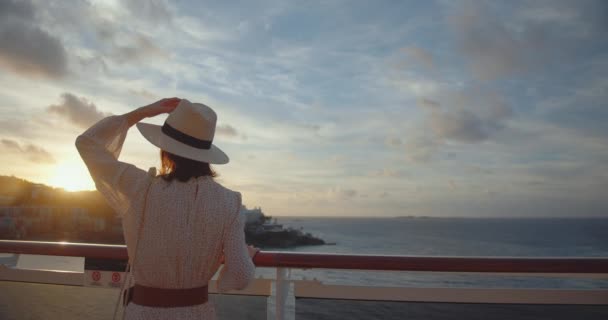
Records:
x=458, y=236
x=517, y=237
x=572, y=237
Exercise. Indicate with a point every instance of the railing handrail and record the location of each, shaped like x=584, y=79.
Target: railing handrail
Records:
x=302, y=260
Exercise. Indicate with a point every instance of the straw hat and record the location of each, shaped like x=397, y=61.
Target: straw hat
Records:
x=188, y=132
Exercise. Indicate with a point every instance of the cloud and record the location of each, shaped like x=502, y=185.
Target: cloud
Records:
x=154, y=11
x=138, y=48
x=393, y=141
x=27, y=49
x=144, y=94
x=337, y=158
x=533, y=37
x=227, y=131
x=79, y=111
x=32, y=152
x=14, y=126
x=124, y=45
x=493, y=48
x=428, y=103
x=420, y=148
x=459, y=125
x=452, y=184
x=388, y=173
x=21, y=9
x=420, y=56
x=11, y=144
x=312, y=127
x=473, y=116
x=342, y=193
x=416, y=85
x=581, y=111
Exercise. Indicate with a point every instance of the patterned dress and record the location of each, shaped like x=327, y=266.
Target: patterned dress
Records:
x=187, y=225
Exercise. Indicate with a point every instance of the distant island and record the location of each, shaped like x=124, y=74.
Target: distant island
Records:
x=31, y=211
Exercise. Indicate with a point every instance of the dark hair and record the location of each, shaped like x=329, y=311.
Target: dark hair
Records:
x=182, y=169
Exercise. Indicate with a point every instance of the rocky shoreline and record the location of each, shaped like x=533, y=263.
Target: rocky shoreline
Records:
x=264, y=232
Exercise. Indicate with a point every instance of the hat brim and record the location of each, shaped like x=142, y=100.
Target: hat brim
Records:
x=156, y=137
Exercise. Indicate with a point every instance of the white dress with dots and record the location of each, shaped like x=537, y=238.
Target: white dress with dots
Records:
x=187, y=226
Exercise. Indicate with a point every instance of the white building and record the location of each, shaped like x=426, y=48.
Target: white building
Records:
x=251, y=215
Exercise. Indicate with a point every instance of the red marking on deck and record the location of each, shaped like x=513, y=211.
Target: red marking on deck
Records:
x=96, y=275
x=115, y=277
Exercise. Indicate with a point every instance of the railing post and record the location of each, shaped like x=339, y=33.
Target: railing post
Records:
x=281, y=291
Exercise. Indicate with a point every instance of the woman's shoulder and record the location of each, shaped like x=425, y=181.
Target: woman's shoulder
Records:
x=231, y=199
x=223, y=189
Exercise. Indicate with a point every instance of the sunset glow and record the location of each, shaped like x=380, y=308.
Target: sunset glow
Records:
x=71, y=176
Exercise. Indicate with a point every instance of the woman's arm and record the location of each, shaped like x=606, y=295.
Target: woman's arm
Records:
x=238, y=269
x=100, y=146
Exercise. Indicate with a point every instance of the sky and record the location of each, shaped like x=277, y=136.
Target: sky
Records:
x=329, y=108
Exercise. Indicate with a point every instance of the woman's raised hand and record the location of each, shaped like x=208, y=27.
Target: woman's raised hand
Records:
x=166, y=105
x=161, y=106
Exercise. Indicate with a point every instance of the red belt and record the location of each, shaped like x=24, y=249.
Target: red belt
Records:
x=167, y=298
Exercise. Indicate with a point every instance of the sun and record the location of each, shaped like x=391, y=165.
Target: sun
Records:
x=72, y=176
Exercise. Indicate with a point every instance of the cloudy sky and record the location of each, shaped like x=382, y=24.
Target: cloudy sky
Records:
x=366, y=108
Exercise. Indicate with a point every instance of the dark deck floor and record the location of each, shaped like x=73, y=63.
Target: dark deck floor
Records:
x=321, y=309
x=19, y=300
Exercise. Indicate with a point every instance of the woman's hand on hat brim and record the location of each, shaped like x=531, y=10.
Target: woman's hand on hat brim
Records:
x=152, y=110
x=166, y=105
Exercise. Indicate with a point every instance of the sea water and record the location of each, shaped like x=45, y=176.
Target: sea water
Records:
x=522, y=237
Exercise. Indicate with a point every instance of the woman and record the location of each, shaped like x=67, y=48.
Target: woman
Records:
x=190, y=223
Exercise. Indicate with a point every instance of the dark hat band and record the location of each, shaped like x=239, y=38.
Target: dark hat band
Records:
x=184, y=138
